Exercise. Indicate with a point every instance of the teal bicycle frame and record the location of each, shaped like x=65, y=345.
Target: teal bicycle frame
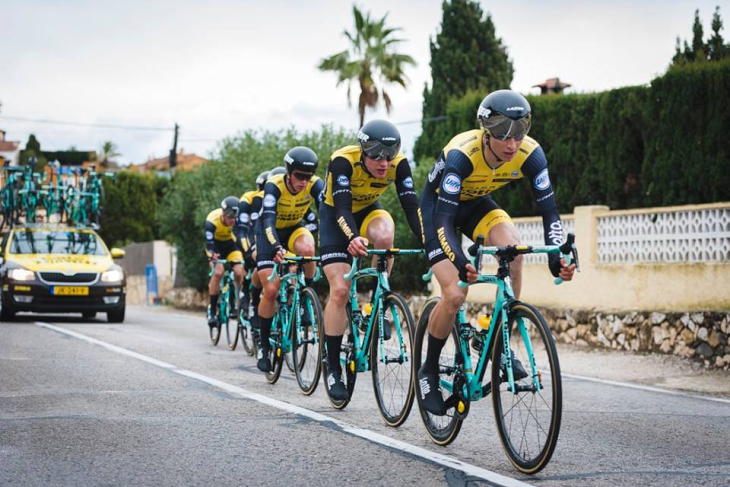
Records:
x=504, y=299
x=361, y=355
x=286, y=314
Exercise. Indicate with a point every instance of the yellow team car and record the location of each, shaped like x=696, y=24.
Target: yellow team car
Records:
x=56, y=269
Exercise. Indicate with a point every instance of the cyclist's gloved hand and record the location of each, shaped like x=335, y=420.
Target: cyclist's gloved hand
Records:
x=554, y=264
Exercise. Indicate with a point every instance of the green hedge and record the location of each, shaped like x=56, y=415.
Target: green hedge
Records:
x=663, y=144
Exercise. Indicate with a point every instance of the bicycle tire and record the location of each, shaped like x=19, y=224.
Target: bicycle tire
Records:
x=528, y=408
x=442, y=429
x=394, y=405
x=277, y=354
x=247, y=339
x=305, y=344
x=232, y=328
x=346, y=359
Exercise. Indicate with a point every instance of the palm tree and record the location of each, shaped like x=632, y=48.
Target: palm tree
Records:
x=370, y=58
x=108, y=151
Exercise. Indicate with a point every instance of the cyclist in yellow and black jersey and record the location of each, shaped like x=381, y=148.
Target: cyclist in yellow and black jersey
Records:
x=351, y=218
x=457, y=197
x=287, y=198
x=221, y=242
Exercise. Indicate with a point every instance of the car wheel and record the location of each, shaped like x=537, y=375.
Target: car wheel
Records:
x=116, y=316
x=6, y=312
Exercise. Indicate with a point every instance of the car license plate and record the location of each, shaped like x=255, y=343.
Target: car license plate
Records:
x=70, y=291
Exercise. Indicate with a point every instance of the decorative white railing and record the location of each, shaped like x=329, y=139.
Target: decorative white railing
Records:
x=660, y=236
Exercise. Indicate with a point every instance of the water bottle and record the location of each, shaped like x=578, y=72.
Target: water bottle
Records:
x=482, y=328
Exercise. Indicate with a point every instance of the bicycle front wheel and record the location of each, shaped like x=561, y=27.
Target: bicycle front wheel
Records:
x=442, y=429
x=528, y=420
x=226, y=300
x=305, y=342
x=391, y=365
x=277, y=354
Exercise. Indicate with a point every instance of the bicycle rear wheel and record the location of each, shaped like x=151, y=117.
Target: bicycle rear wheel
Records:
x=247, y=338
x=528, y=420
x=442, y=429
x=391, y=370
x=305, y=342
x=232, y=328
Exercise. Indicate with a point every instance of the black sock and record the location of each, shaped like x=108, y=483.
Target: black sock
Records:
x=333, y=352
x=213, y=302
x=435, y=345
x=256, y=297
x=265, y=330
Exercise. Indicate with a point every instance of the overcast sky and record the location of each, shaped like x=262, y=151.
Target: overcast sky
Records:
x=219, y=67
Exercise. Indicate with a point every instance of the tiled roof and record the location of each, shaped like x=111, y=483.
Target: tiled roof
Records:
x=6, y=145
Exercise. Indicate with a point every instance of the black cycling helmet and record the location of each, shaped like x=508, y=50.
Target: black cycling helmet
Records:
x=261, y=180
x=276, y=171
x=505, y=114
x=300, y=158
x=379, y=139
x=229, y=205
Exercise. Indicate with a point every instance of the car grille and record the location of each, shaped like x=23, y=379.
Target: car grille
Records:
x=79, y=277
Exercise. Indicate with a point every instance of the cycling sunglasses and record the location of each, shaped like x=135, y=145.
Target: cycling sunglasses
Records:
x=302, y=176
x=376, y=150
x=504, y=128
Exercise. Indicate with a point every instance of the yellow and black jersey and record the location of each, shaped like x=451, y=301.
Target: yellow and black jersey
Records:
x=249, y=206
x=462, y=173
x=364, y=188
x=351, y=188
x=216, y=231
x=283, y=209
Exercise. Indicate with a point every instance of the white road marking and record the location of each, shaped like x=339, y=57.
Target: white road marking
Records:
x=646, y=388
x=445, y=460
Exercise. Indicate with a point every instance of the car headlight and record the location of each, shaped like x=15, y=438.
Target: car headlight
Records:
x=20, y=274
x=112, y=275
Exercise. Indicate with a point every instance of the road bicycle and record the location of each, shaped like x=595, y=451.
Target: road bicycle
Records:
x=379, y=340
x=525, y=383
x=297, y=324
x=226, y=301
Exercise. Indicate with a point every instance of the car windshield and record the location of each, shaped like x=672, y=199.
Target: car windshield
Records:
x=56, y=242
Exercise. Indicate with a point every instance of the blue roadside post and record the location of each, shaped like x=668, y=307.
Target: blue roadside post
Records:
x=151, y=278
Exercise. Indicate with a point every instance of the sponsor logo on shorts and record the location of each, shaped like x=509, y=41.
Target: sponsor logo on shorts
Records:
x=542, y=180
x=265, y=263
x=335, y=255
x=435, y=253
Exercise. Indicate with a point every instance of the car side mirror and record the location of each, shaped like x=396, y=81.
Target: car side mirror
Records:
x=117, y=253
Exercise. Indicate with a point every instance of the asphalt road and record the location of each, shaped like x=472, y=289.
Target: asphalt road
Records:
x=151, y=402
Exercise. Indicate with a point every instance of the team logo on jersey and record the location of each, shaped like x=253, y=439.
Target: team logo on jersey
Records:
x=343, y=180
x=452, y=184
x=408, y=182
x=515, y=173
x=542, y=180
x=209, y=235
x=269, y=200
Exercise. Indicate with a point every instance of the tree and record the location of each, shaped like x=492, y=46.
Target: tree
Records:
x=369, y=61
x=33, y=150
x=108, y=152
x=465, y=56
x=716, y=48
